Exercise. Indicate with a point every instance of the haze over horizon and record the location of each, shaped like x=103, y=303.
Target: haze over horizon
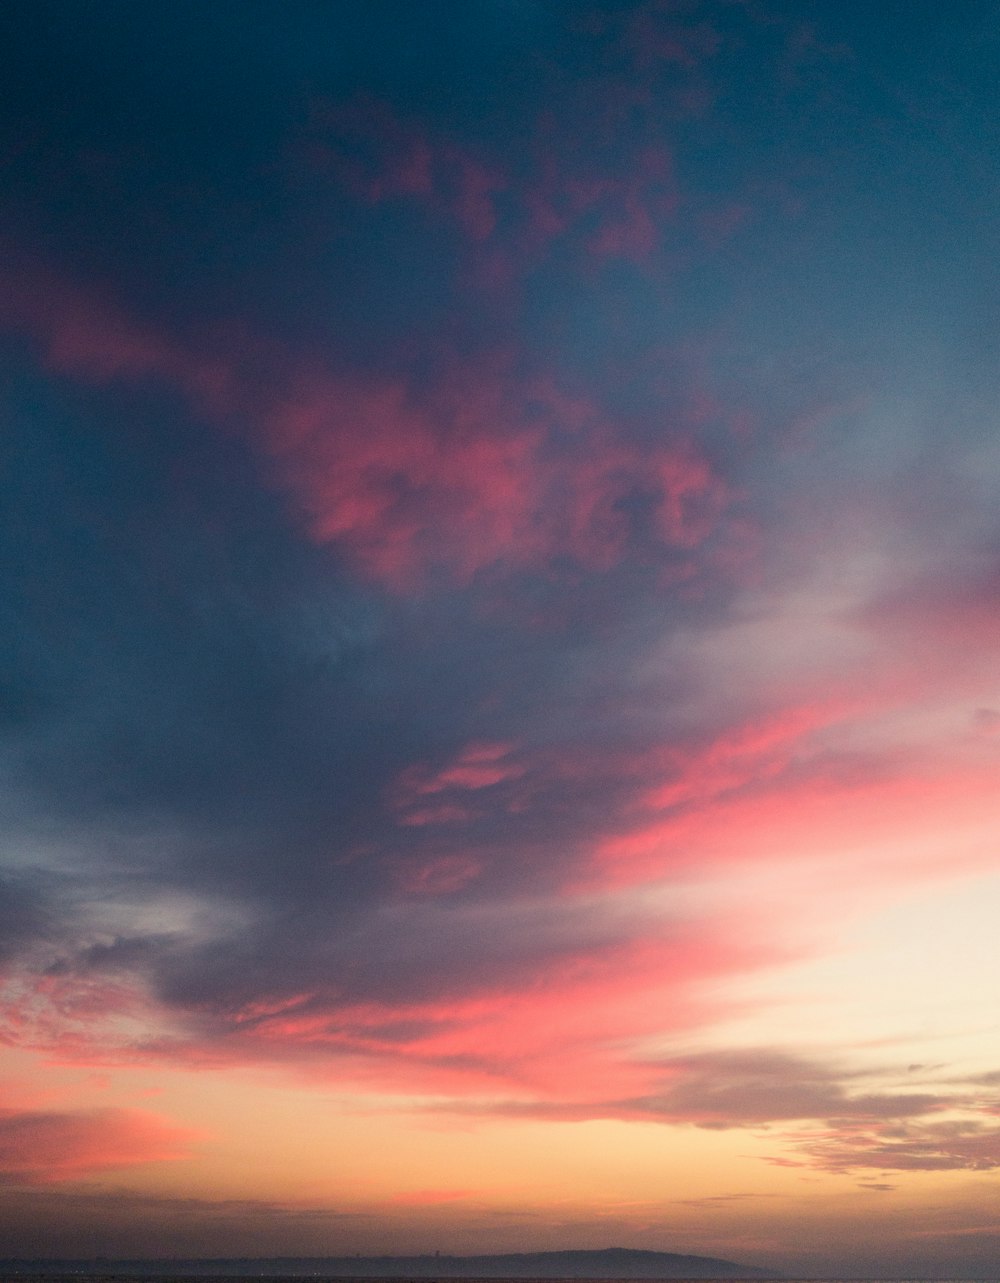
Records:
x=607, y=1263
x=499, y=597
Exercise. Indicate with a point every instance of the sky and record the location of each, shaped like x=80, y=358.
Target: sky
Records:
x=500, y=590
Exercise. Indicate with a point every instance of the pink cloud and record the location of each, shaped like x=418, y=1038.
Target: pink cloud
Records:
x=558, y=1014
x=566, y=1028
x=748, y=754
x=43, y=1147
x=604, y=202
x=23, y=1094
x=477, y=766
x=551, y=1002
x=438, y=876
x=936, y=620
x=82, y=332
x=446, y=813
x=378, y=156
x=374, y=153
x=637, y=208
x=485, y=468
x=603, y=211
x=757, y=1087
x=465, y=478
x=403, y=485
x=563, y=1032
x=79, y=1018
x=657, y=33
x=473, y=201
x=878, y=821
x=916, y=1145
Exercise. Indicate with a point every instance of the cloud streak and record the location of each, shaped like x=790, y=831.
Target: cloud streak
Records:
x=848, y=1120
x=37, y=1146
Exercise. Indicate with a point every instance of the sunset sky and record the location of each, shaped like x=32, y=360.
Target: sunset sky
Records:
x=499, y=620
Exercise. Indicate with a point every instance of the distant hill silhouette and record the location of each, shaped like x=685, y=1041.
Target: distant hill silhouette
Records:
x=606, y=1263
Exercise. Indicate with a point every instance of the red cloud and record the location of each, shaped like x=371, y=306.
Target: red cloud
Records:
x=42, y=1147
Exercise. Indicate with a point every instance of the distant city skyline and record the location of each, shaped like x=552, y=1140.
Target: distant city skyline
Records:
x=500, y=581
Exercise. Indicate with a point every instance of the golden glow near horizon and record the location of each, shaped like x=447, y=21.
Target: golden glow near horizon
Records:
x=401, y=1158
